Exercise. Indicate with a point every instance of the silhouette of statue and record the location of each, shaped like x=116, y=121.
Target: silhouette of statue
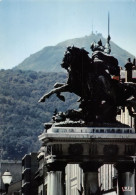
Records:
x=92, y=80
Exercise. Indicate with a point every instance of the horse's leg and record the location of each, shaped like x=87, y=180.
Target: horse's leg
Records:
x=61, y=97
x=56, y=85
x=58, y=90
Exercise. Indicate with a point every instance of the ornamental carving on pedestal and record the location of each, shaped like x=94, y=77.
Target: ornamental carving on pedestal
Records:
x=110, y=150
x=75, y=149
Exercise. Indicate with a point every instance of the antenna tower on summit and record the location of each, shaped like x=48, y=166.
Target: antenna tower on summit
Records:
x=92, y=28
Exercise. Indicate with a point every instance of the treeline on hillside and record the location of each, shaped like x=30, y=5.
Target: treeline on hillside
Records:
x=21, y=116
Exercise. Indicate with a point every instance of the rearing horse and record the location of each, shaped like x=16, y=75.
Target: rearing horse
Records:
x=87, y=78
x=77, y=63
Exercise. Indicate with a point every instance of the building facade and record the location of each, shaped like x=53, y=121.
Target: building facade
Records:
x=29, y=168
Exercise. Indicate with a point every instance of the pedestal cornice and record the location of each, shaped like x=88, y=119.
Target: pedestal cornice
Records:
x=87, y=134
x=89, y=144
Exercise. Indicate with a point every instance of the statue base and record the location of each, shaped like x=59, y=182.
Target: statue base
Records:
x=111, y=143
x=90, y=147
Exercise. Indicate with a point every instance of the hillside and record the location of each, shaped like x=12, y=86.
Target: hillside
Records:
x=21, y=116
x=49, y=58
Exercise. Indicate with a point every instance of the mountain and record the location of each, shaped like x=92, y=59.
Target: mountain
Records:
x=49, y=58
x=21, y=116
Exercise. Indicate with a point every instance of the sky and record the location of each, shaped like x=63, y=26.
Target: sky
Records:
x=27, y=26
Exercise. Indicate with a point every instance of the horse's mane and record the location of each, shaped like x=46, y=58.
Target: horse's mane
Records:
x=76, y=57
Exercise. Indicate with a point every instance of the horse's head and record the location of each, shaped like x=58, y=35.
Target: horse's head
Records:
x=67, y=59
x=73, y=57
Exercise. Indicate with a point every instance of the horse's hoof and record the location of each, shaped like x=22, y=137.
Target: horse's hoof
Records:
x=62, y=98
x=79, y=100
x=41, y=100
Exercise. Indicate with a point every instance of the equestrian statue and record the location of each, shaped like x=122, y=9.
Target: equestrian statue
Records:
x=96, y=80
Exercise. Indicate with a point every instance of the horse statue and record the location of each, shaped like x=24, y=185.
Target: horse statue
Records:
x=92, y=80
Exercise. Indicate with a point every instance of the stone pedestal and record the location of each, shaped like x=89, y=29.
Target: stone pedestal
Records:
x=126, y=178
x=90, y=147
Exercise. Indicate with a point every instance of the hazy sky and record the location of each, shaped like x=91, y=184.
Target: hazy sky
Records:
x=27, y=26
